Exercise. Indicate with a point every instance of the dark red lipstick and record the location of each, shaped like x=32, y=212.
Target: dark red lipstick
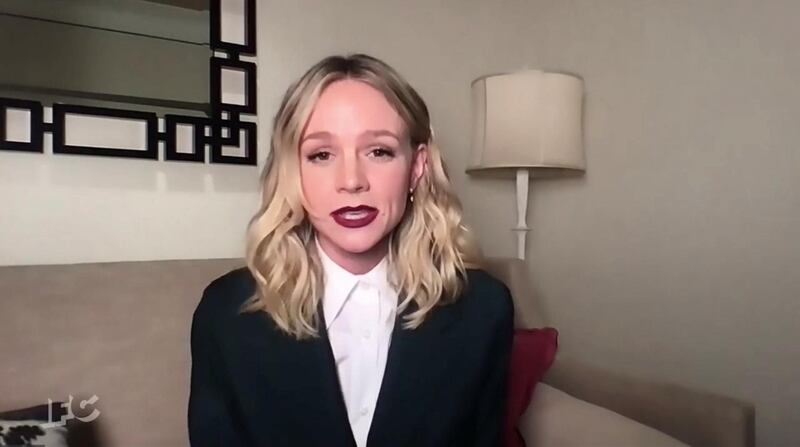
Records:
x=355, y=217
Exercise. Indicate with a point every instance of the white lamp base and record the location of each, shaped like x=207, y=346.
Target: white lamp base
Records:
x=522, y=210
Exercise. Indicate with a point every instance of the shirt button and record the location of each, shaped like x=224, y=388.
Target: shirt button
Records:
x=364, y=411
x=366, y=334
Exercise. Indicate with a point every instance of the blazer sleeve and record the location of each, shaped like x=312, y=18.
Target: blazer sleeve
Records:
x=490, y=420
x=211, y=423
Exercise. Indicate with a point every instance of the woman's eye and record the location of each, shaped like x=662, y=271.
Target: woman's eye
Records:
x=319, y=156
x=382, y=152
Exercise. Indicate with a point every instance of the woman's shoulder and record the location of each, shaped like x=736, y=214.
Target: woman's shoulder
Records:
x=480, y=279
x=487, y=295
x=226, y=294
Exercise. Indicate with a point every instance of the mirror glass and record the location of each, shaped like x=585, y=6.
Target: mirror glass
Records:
x=148, y=55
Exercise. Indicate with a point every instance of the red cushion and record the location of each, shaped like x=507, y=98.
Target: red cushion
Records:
x=532, y=354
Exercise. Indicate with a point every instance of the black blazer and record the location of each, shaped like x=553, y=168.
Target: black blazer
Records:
x=444, y=384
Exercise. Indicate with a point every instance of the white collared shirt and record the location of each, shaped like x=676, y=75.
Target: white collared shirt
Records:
x=359, y=315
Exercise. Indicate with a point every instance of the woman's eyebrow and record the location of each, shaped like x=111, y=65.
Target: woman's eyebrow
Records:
x=321, y=135
x=324, y=135
x=379, y=133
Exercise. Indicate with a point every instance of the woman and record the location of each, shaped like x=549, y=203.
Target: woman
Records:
x=362, y=317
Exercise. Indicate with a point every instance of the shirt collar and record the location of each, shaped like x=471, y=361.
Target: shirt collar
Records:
x=339, y=283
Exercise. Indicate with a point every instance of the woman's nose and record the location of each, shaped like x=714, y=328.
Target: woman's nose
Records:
x=351, y=176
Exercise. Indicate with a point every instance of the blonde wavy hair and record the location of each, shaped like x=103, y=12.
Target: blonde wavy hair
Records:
x=429, y=250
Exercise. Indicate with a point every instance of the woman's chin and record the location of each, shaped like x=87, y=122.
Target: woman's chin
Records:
x=357, y=248
x=356, y=243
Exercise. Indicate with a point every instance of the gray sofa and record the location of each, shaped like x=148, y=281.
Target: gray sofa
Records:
x=120, y=331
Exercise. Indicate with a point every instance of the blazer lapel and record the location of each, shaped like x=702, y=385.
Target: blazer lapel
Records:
x=415, y=364
x=303, y=372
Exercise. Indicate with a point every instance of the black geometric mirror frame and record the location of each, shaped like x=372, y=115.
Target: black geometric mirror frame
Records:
x=225, y=117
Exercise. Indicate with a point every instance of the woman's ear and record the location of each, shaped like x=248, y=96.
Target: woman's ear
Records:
x=419, y=164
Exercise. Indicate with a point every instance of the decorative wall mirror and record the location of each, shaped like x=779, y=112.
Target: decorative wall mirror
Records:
x=170, y=80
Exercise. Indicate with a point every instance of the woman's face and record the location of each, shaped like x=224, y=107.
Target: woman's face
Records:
x=356, y=168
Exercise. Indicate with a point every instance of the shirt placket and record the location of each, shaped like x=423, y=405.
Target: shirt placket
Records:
x=369, y=349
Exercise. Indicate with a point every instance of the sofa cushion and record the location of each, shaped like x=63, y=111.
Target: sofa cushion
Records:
x=121, y=333
x=532, y=354
x=557, y=419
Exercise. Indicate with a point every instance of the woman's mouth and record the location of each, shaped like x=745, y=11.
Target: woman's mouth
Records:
x=355, y=217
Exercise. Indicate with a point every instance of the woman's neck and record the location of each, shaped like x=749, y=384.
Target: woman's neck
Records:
x=356, y=263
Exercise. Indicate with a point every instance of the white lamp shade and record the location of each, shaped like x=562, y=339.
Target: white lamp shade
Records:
x=529, y=119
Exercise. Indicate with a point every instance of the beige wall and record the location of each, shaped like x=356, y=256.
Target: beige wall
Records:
x=678, y=254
